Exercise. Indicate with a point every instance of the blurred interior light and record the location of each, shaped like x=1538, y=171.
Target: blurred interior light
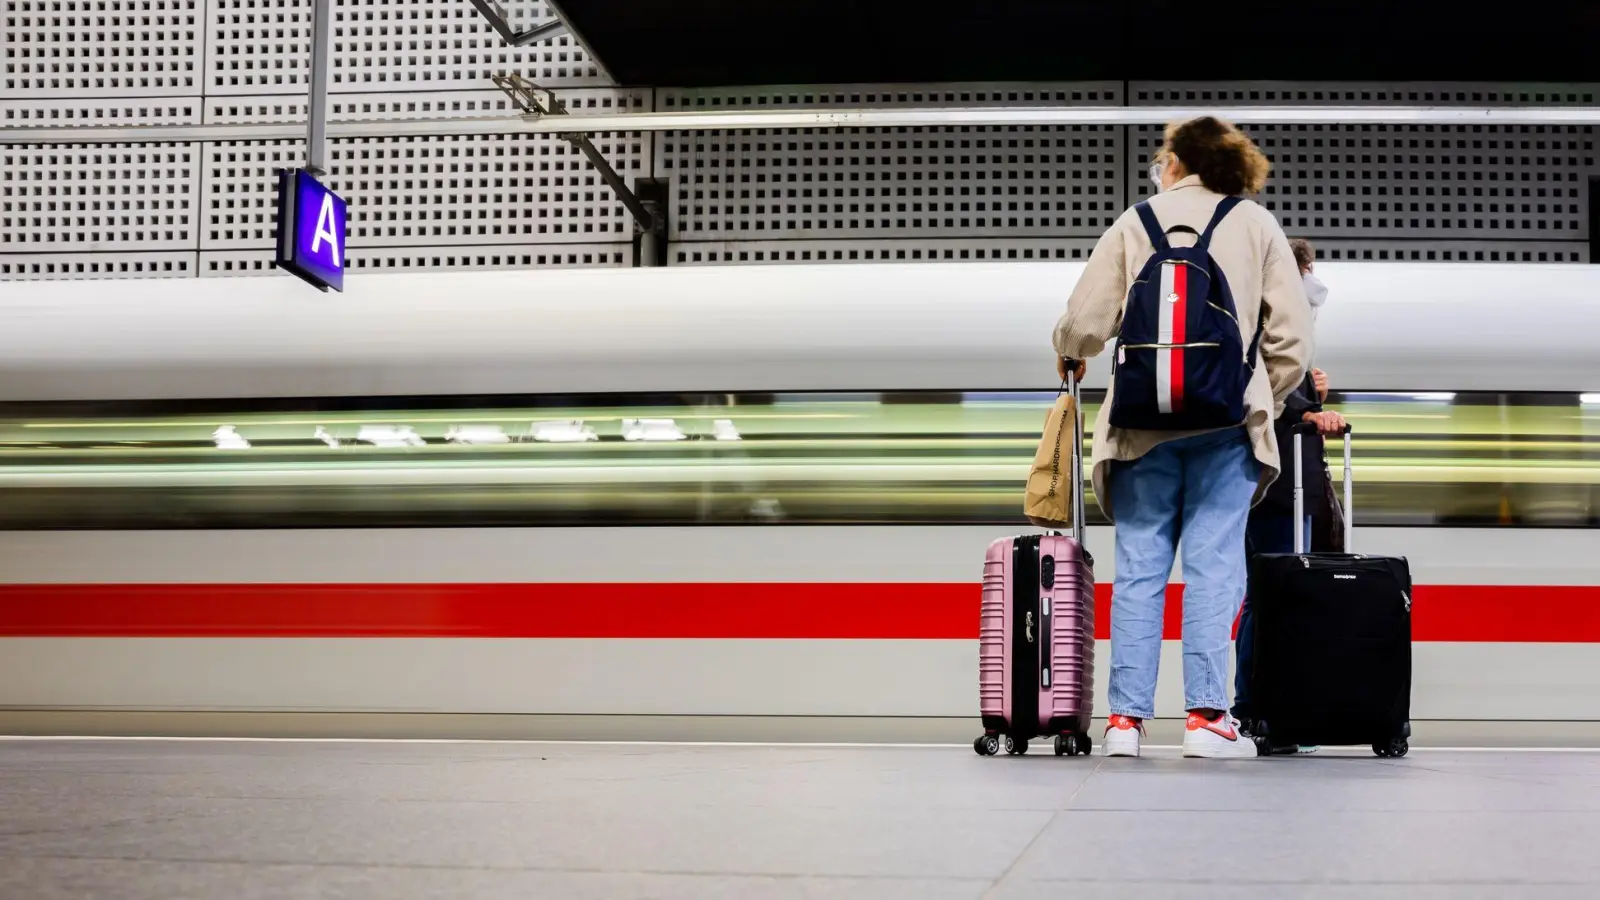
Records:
x=1589, y=399
x=476, y=434
x=390, y=436
x=322, y=435
x=1422, y=396
x=651, y=430
x=724, y=430
x=226, y=438
x=568, y=432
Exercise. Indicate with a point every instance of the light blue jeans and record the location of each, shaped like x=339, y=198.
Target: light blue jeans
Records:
x=1194, y=492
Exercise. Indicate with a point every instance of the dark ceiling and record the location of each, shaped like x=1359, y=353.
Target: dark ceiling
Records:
x=702, y=43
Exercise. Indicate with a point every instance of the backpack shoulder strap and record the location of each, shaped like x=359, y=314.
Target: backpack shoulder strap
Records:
x=1223, y=208
x=1152, y=226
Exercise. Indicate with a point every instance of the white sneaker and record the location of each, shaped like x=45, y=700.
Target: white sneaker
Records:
x=1221, y=739
x=1121, y=737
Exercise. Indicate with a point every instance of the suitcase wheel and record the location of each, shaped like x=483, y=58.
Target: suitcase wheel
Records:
x=1073, y=744
x=1394, y=749
x=986, y=745
x=1016, y=748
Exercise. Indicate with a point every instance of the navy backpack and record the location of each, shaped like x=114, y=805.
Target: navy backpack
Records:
x=1181, y=363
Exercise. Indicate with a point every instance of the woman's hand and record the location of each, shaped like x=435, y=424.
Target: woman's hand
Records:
x=1319, y=379
x=1077, y=373
x=1328, y=423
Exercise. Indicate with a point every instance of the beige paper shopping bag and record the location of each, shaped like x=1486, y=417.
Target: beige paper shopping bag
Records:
x=1048, y=501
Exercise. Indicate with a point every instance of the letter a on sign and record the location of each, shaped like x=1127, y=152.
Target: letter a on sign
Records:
x=311, y=230
x=327, y=230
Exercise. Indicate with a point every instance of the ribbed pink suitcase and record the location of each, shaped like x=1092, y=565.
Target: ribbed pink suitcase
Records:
x=1036, y=635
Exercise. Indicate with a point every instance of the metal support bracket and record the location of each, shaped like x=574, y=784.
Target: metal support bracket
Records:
x=496, y=15
x=535, y=103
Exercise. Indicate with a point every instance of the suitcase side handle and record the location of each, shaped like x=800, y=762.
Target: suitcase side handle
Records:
x=1300, y=430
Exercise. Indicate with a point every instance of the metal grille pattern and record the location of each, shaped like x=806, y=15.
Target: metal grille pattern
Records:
x=229, y=263
x=263, y=47
x=122, y=197
x=101, y=48
x=897, y=250
x=129, y=210
x=1412, y=192
x=864, y=190
x=1445, y=193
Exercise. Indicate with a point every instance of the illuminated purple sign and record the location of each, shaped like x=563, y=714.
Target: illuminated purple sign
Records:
x=311, y=221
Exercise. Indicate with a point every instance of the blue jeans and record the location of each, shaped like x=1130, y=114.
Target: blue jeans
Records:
x=1198, y=489
x=1269, y=531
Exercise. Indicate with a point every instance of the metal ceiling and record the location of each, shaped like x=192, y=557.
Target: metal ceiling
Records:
x=695, y=43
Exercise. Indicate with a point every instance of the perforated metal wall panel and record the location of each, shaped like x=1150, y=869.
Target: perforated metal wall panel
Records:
x=97, y=198
x=227, y=263
x=1415, y=191
x=380, y=46
x=56, y=266
x=868, y=186
x=894, y=250
x=1359, y=191
x=429, y=191
x=468, y=202
x=101, y=48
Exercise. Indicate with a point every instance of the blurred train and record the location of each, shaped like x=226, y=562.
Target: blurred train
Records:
x=736, y=494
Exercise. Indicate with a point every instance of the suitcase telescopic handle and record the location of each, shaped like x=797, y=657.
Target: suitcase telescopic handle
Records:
x=1073, y=391
x=1300, y=430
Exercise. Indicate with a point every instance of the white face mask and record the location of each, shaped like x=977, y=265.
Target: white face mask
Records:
x=1316, y=292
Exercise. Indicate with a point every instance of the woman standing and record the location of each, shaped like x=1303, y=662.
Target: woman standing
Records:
x=1166, y=488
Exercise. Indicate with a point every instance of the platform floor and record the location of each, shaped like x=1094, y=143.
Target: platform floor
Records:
x=274, y=820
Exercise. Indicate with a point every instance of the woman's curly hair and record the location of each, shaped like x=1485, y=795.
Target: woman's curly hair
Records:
x=1224, y=157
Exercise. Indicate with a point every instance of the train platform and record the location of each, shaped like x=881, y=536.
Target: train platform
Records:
x=242, y=819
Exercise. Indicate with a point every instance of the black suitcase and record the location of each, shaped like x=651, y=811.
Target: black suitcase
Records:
x=1332, y=640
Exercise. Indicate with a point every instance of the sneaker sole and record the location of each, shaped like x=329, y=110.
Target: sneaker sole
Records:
x=1112, y=748
x=1229, y=752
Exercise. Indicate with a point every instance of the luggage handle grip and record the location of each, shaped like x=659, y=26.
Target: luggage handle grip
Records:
x=1308, y=428
x=1301, y=539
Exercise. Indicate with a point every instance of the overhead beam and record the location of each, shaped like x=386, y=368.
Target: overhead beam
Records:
x=542, y=105
x=496, y=16
x=745, y=119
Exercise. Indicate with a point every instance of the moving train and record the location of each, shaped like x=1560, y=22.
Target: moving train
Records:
x=722, y=501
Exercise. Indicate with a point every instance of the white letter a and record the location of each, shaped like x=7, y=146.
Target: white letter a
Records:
x=325, y=230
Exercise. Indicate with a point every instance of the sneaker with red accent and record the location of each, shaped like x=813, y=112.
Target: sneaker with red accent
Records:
x=1122, y=736
x=1219, y=738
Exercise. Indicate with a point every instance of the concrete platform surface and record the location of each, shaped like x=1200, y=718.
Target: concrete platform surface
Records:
x=394, y=820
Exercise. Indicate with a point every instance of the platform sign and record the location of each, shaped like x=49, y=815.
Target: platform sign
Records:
x=311, y=220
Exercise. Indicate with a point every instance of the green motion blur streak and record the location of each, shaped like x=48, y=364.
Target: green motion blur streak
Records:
x=858, y=458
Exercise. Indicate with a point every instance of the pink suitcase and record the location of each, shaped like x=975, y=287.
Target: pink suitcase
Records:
x=1036, y=635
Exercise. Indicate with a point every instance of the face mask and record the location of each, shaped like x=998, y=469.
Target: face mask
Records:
x=1316, y=292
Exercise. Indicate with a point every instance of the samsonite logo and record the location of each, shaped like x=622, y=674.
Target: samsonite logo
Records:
x=1343, y=577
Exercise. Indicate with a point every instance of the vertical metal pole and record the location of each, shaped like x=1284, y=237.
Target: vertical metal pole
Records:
x=317, y=108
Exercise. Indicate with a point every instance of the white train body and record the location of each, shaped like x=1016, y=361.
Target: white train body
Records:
x=618, y=584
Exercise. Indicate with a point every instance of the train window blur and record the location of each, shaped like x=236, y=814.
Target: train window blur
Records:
x=1420, y=459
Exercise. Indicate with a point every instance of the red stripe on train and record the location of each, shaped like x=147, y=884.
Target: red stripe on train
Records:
x=717, y=610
